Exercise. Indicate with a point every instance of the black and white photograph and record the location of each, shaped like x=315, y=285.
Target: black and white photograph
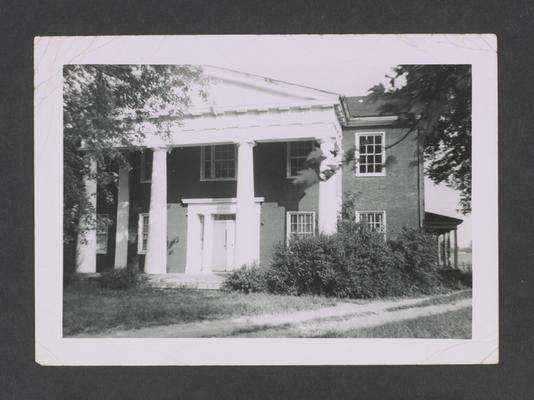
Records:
x=206, y=190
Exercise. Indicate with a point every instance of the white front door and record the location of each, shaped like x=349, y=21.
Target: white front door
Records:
x=223, y=242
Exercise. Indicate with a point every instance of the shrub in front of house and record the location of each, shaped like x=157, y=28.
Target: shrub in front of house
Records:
x=120, y=278
x=247, y=279
x=417, y=252
x=355, y=262
x=309, y=265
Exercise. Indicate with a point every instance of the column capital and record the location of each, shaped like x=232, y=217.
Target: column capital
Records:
x=160, y=148
x=326, y=140
x=247, y=142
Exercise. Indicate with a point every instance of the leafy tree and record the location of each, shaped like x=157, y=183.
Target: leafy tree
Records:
x=104, y=107
x=435, y=100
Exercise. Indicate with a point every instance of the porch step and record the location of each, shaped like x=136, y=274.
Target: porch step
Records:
x=197, y=281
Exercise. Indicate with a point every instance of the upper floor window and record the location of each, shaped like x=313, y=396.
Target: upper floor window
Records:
x=218, y=162
x=375, y=220
x=146, y=166
x=102, y=229
x=142, y=233
x=297, y=153
x=370, y=154
x=300, y=223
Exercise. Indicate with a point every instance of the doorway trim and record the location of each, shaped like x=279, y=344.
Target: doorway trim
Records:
x=199, y=249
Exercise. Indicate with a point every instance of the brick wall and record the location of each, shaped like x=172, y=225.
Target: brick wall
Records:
x=400, y=192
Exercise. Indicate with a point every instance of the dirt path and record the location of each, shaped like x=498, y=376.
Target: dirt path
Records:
x=341, y=317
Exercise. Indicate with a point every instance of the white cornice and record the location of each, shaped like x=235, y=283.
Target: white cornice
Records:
x=372, y=121
x=227, y=200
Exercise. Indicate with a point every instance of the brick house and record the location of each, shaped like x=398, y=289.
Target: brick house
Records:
x=219, y=192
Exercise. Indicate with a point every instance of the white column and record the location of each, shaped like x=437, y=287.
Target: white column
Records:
x=86, y=245
x=246, y=241
x=328, y=188
x=123, y=208
x=195, y=259
x=207, y=254
x=156, y=255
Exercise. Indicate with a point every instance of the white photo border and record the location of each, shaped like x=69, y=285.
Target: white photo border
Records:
x=51, y=53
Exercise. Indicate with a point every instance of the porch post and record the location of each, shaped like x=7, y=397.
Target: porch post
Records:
x=86, y=244
x=246, y=237
x=156, y=255
x=328, y=189
x=123, y=208
x=455, y=248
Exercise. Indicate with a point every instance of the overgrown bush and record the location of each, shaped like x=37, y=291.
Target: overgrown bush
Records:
x=121, y=278
x=247, y=279
x=307, y=266
x=416, y=250
x=355, y=262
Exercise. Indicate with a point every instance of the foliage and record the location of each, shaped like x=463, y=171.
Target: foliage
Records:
x=435, y=100
x=417, y=251
x=247, y=279
x=307, y=266
x=355, y=262
x=104, y=106
x=120, y=278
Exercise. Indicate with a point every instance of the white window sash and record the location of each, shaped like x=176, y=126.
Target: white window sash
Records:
x=289, y=158
x=140, y=233
x=212, y=165
x=357, y=153
x=289, y=214
x=383, y=226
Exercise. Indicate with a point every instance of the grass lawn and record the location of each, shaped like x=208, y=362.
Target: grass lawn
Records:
x=449, y=325
x=89, y=308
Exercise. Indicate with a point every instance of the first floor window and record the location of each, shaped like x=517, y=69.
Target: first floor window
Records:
x=218, y=162
x=375, y=220
x=370, y=154
x=145, y=175
x=300, y=224
x=101, y=234
x=142, y=237
x=297, y=154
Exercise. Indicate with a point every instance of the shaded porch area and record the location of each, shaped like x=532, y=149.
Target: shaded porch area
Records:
x=445, y=229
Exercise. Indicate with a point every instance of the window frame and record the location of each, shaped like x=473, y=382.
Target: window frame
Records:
x=212, y=162
x=100, y=251
x=288, y=156
x=140, y=232
x=384, y=218
x=288, y=222
x=359, y=134
x=142, y=169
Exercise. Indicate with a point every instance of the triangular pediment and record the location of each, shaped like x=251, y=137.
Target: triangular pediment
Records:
x=227, y=88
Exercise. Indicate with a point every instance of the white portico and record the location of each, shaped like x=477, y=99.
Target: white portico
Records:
x=242, y=110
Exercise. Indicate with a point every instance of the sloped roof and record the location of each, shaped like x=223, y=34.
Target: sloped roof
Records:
x=438, y=222
x=362, y=106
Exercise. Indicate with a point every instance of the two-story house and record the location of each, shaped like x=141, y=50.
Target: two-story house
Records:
x=218, y=191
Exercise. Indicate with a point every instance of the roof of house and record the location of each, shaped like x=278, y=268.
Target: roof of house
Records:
x=362, y=106
x=442, y=223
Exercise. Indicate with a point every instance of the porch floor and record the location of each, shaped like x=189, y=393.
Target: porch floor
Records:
x=190, y=281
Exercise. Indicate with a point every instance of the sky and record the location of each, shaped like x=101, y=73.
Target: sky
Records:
x=356, y=80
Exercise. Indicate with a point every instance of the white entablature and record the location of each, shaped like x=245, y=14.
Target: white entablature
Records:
x=242, y=106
